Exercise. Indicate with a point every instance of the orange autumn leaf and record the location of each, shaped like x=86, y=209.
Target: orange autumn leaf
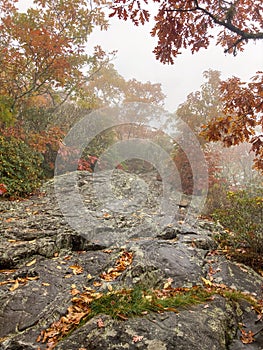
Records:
x=100, y=323
x=247, y=337
x=77, y=269
x=15, y=286
x=122, y=263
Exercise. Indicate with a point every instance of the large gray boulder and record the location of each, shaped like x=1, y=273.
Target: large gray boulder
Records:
x=40, y=250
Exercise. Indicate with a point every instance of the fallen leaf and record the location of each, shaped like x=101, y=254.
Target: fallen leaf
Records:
x=123, y=317
x=100, y=323
x=137, y=338
x=206, y=282
x=45, y=284
x=7, y=271
x=15, y=286
x=247, y=337
x=68, y=257
x=31, y=263
x=122, y=263
x=168, y=283
x=97, y=284
x=29, y=278
x=10, y=220
x=6, y=282
x=77, y=269
x=74, y=291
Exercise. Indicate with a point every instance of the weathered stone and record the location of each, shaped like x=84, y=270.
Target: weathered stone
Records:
x=39, y=248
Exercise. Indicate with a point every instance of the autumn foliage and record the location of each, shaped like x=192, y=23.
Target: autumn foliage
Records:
x=242, y=120
x=43, y=51
x=194, y=24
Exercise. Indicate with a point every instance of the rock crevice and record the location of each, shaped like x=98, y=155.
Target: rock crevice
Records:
x=42, y=257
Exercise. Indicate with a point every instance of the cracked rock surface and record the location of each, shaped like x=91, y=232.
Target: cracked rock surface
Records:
x=39, y=244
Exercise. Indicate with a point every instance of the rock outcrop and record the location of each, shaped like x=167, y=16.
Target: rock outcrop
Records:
x=40, y=251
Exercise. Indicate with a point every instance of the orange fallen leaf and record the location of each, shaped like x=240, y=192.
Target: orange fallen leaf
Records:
x=100, y=323
x=7, y=271
x=74, y=291
x=137, y=338
x=168, y=283
x=106, y=215
x=77, y=269
x=247, y=337
x=15, y=286
x=29, y=278
x=10, y=219
x=97, y=284
x=122, y=263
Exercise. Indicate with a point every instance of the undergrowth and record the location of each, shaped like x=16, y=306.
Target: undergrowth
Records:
x=126, y=303
x=242, y=217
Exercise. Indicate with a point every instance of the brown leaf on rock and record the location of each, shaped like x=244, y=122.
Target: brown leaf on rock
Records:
x=247, y=337
x=100, y=323
x=78, y=310
x=137, y=338
x=122, y=263
x=15, y=286
x=77, y=269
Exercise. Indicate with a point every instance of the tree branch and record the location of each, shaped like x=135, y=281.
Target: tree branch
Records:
x=224, y=23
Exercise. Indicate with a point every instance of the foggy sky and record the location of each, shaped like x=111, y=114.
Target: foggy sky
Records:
x=136, y=60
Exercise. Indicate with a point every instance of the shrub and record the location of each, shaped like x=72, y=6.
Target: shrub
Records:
x=20, y=167
x=242, y=214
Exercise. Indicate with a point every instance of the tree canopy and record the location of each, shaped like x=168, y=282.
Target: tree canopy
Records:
x=185, y=24
x=42, y=51
x=195, y=24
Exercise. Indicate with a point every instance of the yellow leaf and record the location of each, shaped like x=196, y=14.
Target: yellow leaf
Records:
x=206, y=282
x=97, y=284
x=74, y=291
x=32, y=278
x=77, y=269
x=31, y=262
x=45, y=284
x=168, y=283
x=15, y=286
